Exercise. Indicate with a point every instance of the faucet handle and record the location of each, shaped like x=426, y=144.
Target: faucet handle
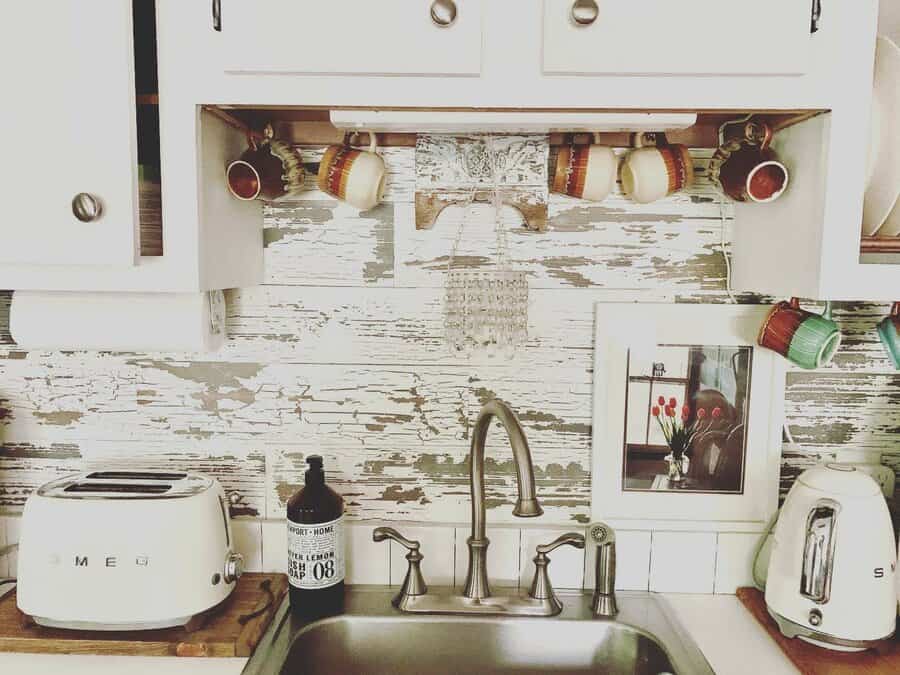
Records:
x=575, y=539
x=414, y=583
x=382, y=533
x=541, y=589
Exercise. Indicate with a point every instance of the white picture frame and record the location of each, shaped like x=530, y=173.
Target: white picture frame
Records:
x=621, y=327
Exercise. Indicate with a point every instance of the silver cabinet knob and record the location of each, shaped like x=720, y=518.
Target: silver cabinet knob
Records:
x=234, y=567
x=443, y=13
x=87, y=207
x=585, y=12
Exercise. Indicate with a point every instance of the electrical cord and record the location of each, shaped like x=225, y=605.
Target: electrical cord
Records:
x=6, y=550
x=6, y=586
x=764, y=537
x=724, y=247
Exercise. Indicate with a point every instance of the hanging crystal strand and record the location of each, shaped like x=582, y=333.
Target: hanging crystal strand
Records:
x=485, y=309
x=456, y=314
x=509, y=314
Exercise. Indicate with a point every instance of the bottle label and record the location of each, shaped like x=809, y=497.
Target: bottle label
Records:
x=316, y=554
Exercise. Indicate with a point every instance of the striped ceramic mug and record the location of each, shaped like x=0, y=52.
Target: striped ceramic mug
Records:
x=584, y=171
x=652, y=172
x=806, y=339
x=889, y=332
x=353, y=175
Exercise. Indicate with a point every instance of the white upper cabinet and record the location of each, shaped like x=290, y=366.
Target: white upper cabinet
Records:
x=70, y=196
x=668, y=37
x=400, y=37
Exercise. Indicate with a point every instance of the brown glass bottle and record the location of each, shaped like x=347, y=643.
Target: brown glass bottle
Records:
x=316, y=545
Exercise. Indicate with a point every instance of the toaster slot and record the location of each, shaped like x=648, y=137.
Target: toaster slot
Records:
x=818, y=551
x=120, y=488
x=134, y=475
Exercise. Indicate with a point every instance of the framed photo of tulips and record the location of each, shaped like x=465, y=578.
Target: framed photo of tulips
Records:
x=688, y=413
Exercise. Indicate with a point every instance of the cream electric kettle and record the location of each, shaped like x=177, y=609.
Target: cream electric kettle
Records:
x=831, y=574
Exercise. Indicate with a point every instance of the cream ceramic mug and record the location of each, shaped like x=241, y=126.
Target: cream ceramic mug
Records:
x=653, y=172
x=352, y=175
x=586, y=171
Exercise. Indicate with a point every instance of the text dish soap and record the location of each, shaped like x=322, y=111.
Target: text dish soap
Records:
x=316, y=562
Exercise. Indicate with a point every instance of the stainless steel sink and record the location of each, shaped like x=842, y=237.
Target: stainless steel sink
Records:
x=372, y=637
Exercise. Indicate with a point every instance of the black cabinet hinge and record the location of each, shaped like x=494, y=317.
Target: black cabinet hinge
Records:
x=217, y=15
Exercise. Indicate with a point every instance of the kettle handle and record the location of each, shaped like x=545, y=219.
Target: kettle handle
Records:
x=818, y=551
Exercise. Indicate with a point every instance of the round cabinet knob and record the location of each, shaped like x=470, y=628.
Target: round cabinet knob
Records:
x=585, y=12
x=443, y=13
x=86, y=207
x=234, y=567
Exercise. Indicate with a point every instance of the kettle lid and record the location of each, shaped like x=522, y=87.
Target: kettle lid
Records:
x=840, y=479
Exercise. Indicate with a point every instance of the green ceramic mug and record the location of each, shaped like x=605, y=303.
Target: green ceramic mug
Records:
x=889, y=332
x=806, y=339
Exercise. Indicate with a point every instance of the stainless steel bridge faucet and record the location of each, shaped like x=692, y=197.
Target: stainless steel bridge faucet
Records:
x=476, y=597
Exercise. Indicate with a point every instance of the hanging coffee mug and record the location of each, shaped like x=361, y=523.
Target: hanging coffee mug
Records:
x=889, y=332
x=806, y=339
x=653, y=172
x=268, y=169
x=352, y=175
x=584, y=171
x=747, y=169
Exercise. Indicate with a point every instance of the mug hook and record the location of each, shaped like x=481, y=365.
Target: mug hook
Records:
x=652, y=138
x=350, y=136
x=758, y=132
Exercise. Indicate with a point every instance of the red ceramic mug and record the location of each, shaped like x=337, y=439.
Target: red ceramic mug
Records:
x=268, y=169
x=747, y=169
x=806, y=339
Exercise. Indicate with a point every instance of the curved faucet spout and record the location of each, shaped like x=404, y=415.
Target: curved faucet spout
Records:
x=527, y=505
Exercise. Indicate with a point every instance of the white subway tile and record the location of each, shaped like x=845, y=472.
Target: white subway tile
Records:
x=368, y=562
x=247, y=535
x=10, y=527
x=682, y=562
x=734, y=561
x=437, y=549
x=566, y=563
x=632, y=561
x=274, y=546
x=502, y=559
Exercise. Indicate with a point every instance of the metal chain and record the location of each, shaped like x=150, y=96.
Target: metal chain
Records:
x=454, y=250
x=502, y=260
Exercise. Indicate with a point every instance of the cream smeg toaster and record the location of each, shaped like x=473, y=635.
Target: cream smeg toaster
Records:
x=125, y=550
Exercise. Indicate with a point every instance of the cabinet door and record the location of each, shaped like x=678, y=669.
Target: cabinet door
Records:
x=677, y=37
x=68, y=108
x=351, y=37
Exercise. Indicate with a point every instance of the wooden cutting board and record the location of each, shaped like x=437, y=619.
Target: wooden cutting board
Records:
x=813, y=660
x=232, y=629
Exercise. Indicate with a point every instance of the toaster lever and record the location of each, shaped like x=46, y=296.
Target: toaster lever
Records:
x=818, y=551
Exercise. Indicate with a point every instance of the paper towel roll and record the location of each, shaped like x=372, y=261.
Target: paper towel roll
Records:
x=51, y=320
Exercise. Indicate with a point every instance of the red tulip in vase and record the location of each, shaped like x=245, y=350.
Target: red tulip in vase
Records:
x=680, y=433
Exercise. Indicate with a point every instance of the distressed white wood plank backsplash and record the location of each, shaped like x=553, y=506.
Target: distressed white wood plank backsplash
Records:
x=340, y=353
